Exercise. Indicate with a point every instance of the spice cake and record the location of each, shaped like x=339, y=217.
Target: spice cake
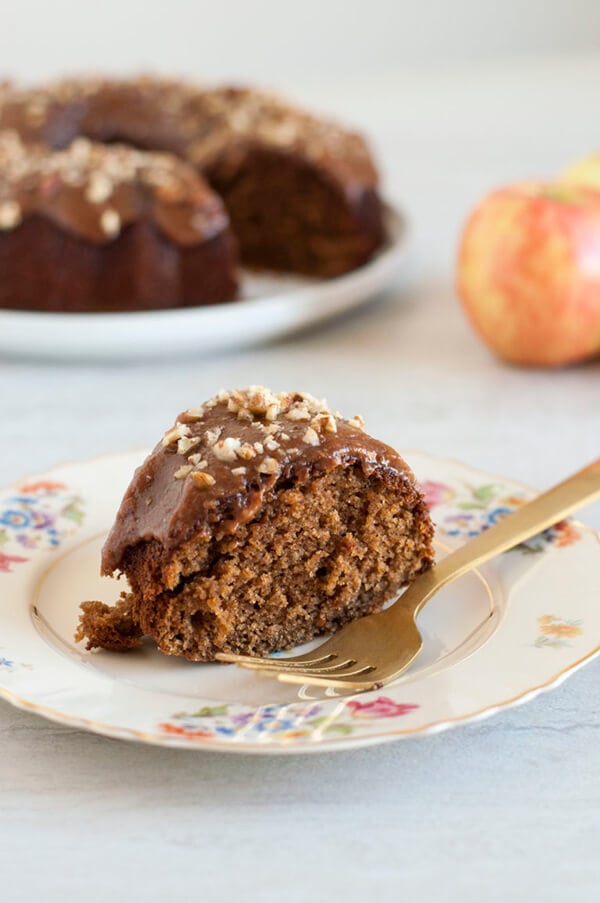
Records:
x=105, y=227
x=300, y=191
x=258, y=522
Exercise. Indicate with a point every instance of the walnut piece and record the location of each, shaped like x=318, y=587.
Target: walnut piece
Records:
x=269, y=465
x=179, y=431
x=202, y=480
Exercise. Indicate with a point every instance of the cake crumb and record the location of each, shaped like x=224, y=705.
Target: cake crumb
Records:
x=108, y=626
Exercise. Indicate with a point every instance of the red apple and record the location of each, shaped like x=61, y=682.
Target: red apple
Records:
x=529, y=273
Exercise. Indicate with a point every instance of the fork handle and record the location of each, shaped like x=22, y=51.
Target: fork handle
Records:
x=542, y=512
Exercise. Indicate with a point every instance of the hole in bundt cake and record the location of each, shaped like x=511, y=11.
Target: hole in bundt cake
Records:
x=286, y=215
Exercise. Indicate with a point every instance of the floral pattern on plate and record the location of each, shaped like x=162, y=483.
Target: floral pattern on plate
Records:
x=465, y=510
x=37, y=516
x=556, y=632
x=288, y=722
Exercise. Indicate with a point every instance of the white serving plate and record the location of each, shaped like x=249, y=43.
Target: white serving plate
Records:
x=272, y=306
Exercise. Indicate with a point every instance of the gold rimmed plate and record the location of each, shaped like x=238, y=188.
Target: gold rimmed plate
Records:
x=492, y=639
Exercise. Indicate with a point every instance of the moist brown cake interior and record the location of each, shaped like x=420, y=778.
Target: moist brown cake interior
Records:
x=288, y=215
x=303, y=537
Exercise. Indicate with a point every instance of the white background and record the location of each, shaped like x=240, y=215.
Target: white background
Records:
x=279, y=40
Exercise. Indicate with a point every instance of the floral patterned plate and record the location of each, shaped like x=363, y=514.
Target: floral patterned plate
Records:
x=492, y=639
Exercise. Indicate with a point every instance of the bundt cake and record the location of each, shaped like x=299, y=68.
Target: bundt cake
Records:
x=105, y=227
x=258, y=522
x=301, y=193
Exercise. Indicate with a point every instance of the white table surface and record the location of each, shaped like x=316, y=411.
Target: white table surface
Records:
x=507, y=809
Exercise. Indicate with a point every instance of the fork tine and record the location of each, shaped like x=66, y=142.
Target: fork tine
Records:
x=345, y=659
x=370, y=681
x=337, y=666
x=342, y=674
x=274, y=664
x=373, y=677
x=275, y=669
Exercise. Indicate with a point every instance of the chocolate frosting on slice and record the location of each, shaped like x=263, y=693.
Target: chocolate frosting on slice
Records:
x=214, y=468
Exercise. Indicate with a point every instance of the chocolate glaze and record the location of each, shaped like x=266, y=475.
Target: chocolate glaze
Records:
x=96, y=191
x=158, y=506
x=213, y=129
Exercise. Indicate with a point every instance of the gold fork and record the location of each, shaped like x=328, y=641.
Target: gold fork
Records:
x=374, y=650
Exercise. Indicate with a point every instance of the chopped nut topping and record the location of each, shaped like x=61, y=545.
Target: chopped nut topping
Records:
x=246, y=451
x=298, y=413
x=194, y=413
x=357, y=422
x=272, y=444
x=284, y=436
x=177, y=432
x=225, y=449
x=202, y=480
x=269, y=465
x=259, y=447
x=244, y=414
x=311, y=436
x=183, y=471
x=324, y=421
x=238, y=471
x=211, y=436
x=99, y=188
x=10, y=214
x=110, y=222
x=198, y=461
x=187, y=443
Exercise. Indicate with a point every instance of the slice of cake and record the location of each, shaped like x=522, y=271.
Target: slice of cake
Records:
x=259, y=522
